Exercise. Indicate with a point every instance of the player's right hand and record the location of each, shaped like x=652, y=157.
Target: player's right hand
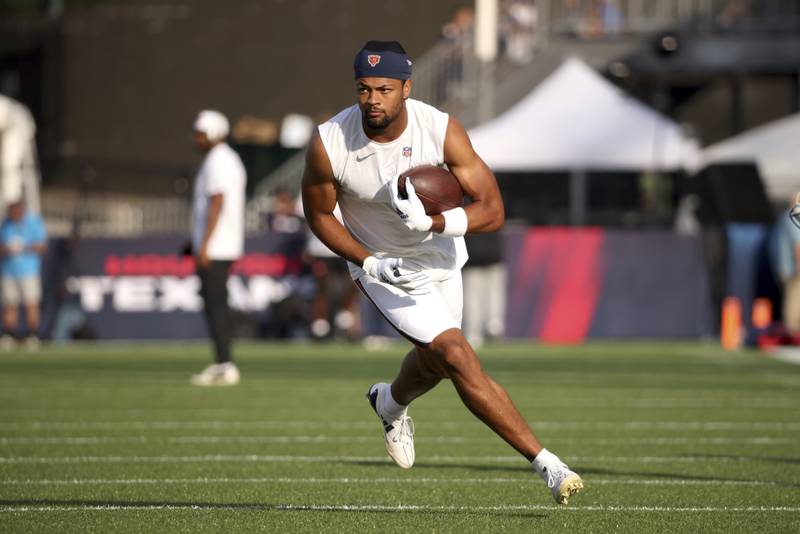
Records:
x=410, y=209
x=387, y=270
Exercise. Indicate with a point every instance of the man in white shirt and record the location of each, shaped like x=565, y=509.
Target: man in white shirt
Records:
x=217, y=236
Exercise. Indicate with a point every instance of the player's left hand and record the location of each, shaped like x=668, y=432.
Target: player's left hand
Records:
x=391, y=271
x=410, y=209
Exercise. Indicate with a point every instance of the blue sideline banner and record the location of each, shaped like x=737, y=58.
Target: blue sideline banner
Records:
x=145, y=288
x=565, y=285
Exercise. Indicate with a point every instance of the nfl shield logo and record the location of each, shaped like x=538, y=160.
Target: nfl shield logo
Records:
x=406, y=151
x=373, y=59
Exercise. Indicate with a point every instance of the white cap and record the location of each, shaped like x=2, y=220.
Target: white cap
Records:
x=213, y=124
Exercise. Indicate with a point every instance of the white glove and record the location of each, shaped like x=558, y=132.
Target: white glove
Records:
x=410, y=209
x=387, y=270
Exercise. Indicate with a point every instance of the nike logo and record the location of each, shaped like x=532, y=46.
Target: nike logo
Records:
x=362, y=158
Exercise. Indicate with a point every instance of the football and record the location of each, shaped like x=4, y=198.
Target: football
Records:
x=436, y=187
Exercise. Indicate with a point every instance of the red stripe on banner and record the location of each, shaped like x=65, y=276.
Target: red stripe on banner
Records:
x=573, y=280
x=541, y=240
x=530, y=269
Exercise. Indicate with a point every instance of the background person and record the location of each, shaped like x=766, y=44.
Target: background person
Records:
x=786, y=265
x=19, y=175
x=23, y=242
x=335, y=309
x=217, y=237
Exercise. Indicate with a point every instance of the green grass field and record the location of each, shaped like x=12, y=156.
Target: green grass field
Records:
x=668, y=437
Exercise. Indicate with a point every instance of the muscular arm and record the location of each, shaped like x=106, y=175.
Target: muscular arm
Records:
x=319, y=201
x=486, y=213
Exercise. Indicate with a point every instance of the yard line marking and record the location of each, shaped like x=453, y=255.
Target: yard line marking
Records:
x=697, y=425
x=369, y=480
x=698, y=402
x=355, y=459
x=394, y=508
x=98, y=440
x=71, y=440
x=785, y=354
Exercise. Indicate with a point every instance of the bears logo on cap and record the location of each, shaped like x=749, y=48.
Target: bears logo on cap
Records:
x=373, y=59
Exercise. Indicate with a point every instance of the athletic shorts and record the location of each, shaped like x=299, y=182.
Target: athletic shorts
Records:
x=418, y=317
x=26, y=289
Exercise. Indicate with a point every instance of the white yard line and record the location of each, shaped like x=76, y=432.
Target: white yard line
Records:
x=99, y=440
x=226, y=424
x=693, y=402
x=785, y=354
x=368, y=480
x=255, y=458
x=394, y=508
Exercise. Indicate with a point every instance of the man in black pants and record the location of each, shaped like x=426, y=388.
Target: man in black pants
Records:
x=217, y=237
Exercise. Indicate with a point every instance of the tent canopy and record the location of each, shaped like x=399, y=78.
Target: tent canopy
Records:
x=576, y=119
x=774, y=147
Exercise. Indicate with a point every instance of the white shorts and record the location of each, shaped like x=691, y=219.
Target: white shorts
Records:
x=27, y=290
x=419, y=318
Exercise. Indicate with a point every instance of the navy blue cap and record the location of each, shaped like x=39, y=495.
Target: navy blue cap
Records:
x=382, y=59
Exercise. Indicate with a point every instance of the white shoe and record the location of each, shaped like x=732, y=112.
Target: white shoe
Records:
x=562, y=481
x=7, y=342
x=398, y=434
x=222, y=374
x=32, y=343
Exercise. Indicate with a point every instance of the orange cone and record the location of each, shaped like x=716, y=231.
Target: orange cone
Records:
x=731, y=331
x=762, y=313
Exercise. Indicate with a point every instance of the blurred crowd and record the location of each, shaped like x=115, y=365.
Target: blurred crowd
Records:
x=519, y=24
x=516, y=30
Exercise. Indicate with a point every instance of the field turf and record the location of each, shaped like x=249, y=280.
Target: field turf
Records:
x=668, y=437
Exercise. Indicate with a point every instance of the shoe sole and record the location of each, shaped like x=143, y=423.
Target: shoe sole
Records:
x=569, y=487
x=214, y=383
x=401, y=463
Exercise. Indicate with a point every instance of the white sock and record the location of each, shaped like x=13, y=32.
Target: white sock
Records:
x=542, y=460
x=390, y=407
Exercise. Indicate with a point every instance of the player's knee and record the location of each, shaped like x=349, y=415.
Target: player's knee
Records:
x=457, y=360
x=453, y=354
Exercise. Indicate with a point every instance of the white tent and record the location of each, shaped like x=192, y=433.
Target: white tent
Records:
x=576, y=119
x=775, y=147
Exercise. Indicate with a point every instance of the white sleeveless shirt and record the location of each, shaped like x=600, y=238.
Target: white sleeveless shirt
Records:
x=363, y=168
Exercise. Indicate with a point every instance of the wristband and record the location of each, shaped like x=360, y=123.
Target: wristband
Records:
x=455, y=222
